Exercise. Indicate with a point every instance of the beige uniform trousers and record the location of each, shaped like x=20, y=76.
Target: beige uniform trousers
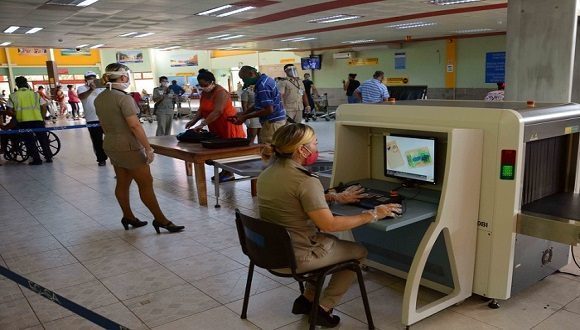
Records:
x=268, y=130
x=339, y=282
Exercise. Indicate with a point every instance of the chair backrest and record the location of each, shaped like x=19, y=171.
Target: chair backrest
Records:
x=268, y=245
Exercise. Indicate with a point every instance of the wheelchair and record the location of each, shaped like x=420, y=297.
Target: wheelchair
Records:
x=15, y=148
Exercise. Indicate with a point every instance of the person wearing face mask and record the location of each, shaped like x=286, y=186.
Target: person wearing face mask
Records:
x=215, y=107
x=163, y=97
x=309, y=89
x=267, y=103
x=373, y=90
x=291, y=196
x=128, y=148
x=87, y=94
x=293, y=94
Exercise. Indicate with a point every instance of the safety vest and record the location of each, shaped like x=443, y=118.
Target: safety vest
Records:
x=26, y=105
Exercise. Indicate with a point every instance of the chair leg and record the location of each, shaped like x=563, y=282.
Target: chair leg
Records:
x=315, y=303
x=247, y=294
x=365, y=299
x=301, y=284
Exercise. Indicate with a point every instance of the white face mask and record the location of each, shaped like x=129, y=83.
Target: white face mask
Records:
x=165, y=84
x=121, y=86
x=208, y=88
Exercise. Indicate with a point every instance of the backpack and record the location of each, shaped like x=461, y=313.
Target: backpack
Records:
x=195, y=137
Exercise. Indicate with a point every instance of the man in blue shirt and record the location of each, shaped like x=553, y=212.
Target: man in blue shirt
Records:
x=373, y=90
x=178, y=91
x=268, y=103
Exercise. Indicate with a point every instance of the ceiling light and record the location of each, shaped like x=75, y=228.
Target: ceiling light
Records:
x=332, y=19
x=236, y=11
x=33, y=30
x=283, y=49
x=144, y=35
x=357, y=41
x=5, y=43
x=218, y=37
x=233, y=37
x=11, y=29
x=411, y=25
x=298, y=39
x=207, y=12
x=86, y=3
x=128, y=34
x=172, y=47
x=472, y=31
x=450, y=2
x=97, y=46
x=83, y=45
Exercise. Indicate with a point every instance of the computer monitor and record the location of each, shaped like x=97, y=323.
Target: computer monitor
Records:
x=311, y=63
x=410, y=158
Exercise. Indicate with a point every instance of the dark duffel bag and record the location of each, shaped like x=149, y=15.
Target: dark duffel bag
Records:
x=195, y=137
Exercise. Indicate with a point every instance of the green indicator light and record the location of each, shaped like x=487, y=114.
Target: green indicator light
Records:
x=507, y=172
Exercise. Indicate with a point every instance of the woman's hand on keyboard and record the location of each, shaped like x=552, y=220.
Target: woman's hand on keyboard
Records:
x=388, y=210
x=351, y=194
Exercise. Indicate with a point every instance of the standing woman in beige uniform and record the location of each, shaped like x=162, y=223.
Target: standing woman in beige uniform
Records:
x=289, y=195
x=128, y=148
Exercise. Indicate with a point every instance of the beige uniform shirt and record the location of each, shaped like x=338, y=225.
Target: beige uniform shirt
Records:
x=292, y=90
x=286, y=191
x=112, y=107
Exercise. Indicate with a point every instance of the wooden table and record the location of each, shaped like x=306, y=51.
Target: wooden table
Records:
x=198, y=155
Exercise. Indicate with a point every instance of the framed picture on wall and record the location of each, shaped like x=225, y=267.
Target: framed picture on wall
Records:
x=183, y=60
x=130, y=56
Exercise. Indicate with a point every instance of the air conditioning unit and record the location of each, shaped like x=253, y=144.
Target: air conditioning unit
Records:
x=346, y=55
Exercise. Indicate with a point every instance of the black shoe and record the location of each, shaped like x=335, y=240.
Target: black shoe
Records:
x=103, y=163
x=135, y=223
x=301, y=306
x=48, y=160
x=170, y=226
x=35, y=162
x=326, y=319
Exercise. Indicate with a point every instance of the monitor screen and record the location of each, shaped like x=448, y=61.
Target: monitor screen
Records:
x=410, y=158
x=311, y=63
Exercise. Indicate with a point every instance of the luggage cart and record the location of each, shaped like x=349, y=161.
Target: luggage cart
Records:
x=320, y=109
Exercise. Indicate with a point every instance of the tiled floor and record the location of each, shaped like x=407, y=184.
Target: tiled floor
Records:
x=59, y=226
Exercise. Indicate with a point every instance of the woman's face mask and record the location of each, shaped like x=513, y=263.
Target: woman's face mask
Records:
x=209, y=88
x=312, y=158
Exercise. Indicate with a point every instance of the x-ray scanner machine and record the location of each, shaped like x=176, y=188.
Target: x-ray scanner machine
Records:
x=490, y=192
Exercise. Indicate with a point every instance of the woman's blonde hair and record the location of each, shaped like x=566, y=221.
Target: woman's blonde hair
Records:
x=287, y=140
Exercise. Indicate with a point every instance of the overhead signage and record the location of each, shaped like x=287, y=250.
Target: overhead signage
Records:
x=397, y=81
x=363, y=61
x=32, y=51
x=400, y=61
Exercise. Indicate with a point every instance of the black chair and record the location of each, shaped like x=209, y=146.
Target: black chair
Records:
x=269, y=246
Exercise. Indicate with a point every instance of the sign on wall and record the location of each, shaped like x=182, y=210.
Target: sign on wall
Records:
x=400, y=61
x=74, y=52
x=494, y=67
x=183, y=60
x=363, y=61
x=32, y=51
x=130, y=56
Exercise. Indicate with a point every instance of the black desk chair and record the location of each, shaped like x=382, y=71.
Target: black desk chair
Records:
x=269, y=246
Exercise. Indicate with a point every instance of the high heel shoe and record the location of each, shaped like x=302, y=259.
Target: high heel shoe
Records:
x=170, y=226
x=135, y=223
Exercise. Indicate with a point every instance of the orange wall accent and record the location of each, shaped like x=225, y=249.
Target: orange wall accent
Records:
x=72, y=60
x=451, y=67
x=3, y=59
x=24, y=60
x=224, y=53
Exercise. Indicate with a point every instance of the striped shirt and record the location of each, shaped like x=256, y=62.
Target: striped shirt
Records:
x=267, y=94
x=373, y=91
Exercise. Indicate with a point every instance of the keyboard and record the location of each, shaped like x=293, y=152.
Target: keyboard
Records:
x=376, y=198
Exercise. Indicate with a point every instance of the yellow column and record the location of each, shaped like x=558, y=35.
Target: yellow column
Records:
x=451, y=67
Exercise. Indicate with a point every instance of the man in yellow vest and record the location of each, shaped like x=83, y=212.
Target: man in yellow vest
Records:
x=24, y=105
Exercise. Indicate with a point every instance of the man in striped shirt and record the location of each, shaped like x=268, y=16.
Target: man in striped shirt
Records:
x=268, y=103
x=373, y=90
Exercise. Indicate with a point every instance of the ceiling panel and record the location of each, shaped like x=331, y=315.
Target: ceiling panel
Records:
x=173, y=22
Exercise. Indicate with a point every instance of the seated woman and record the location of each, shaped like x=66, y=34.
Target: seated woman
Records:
x=215, y=106
x=289, y=195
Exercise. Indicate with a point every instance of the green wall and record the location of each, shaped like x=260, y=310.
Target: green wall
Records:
x=426, y=62
x=471, y=60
